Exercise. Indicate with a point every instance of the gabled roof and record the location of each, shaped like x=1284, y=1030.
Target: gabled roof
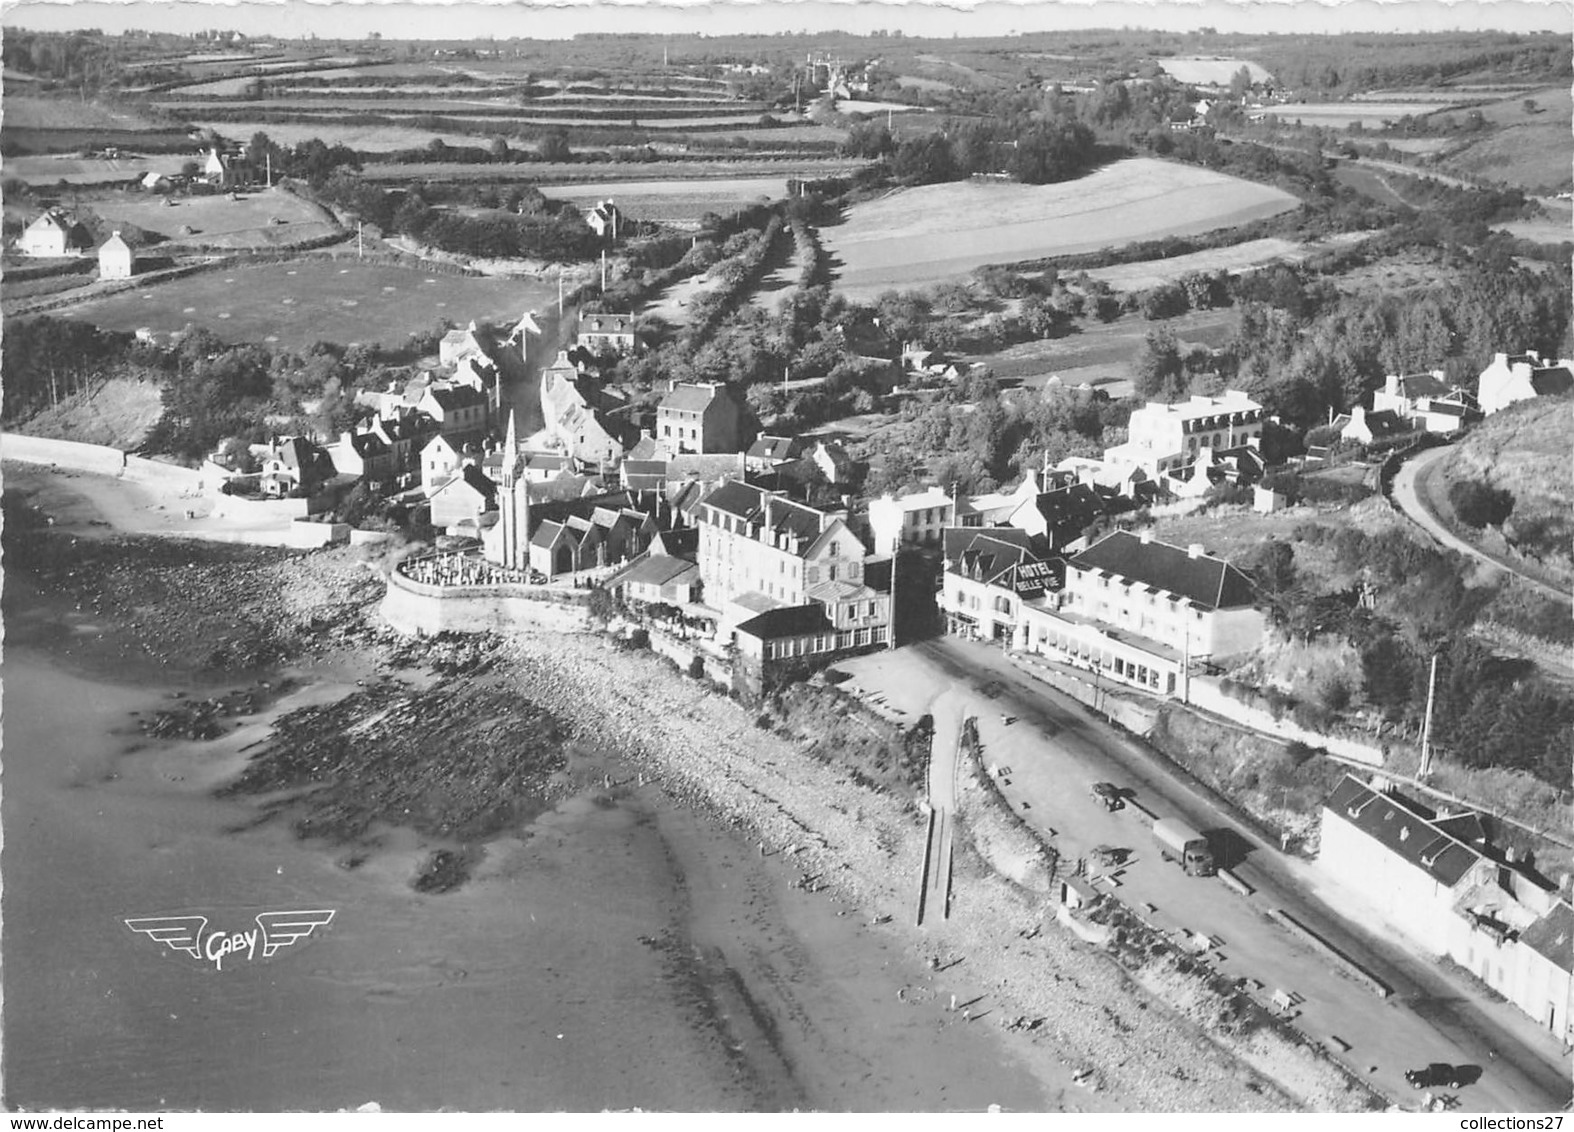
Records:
x=691, y=398
x=1552, y=936
x=775, y=448
x=1073, y=507
x=762, y=510
x=1404, y=828
x=643, y=475
x=649, y=448
x=1414, y=385
x=368, y=445
x=656, y=570
x=788, y=621
x=453, y=397
x=1207, y=581
x=548, y=533
x=954, y=540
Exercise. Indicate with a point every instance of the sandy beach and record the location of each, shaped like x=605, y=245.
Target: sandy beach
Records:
x=711, y=916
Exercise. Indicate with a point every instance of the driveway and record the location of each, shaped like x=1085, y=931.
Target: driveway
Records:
x=1047, y=750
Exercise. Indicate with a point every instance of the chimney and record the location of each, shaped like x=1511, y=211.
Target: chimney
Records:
x=1147, y=537
x=1195, y=550
x=1391, y=385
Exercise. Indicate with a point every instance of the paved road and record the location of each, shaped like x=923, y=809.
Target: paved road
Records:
x=1054, y=749
x=1410, y=501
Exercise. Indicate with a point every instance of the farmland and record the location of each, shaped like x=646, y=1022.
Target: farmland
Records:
x=1210, y=72
x=218, y=221
x=1235, y=258
x=292, y=305
x=923, y=236
x=49, y=169
x=672, y=202
x=1338, y=115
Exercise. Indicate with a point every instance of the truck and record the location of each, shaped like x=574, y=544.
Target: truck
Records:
x=1182, y=844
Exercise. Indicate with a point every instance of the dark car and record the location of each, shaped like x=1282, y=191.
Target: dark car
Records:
x=1438, y=1075
x=1108, y=795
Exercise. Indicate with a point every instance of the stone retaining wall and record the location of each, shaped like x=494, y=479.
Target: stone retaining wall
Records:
x=414, y=607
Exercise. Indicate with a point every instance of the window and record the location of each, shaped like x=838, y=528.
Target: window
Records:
x=830, y=573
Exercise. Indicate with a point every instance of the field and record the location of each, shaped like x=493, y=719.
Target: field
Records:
x=1235, y=258
x=219, y=221
x=1418, y=145
x=363, y=139
x=47, y=170
x=1210, y=72
x=1527, y=150
x=611, y=174
x=919, y=237
x=1338, y=115
x=24, y=113
x=1103, y=354
x=292, y=305
x=672, y=202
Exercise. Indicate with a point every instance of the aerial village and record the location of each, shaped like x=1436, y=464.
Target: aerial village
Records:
x=555, y=496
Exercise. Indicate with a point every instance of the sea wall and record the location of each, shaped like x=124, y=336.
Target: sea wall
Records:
x=1205, y=693
x=258, y=510
x=415, y=607
x=64, y=453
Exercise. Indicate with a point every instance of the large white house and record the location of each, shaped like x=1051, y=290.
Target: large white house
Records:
x=53, y=234
x=760, y=551
x=1520, y=377
x=1139, y=611
x=1438, y=879
x=917, y=519
x=1163, y=437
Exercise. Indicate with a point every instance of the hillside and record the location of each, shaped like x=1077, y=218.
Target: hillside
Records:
x=1524, y=450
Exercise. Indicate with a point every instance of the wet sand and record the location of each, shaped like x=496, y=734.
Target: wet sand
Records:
x=621, y=950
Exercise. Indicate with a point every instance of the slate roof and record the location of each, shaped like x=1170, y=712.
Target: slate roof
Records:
x=656, y=570
x=643, y=475
x=1404, y=828
x=1416, y=385
x=788, y=621
x=954, y=540
x=689, y=399
x=986, y=558
x=1551, y=381
x=1552, y=936
x=649, y=448
x=1207, y=581
x=454, y=397
x=775, y=448
x=368, y=445
x=1069, y=510
x=749, y=503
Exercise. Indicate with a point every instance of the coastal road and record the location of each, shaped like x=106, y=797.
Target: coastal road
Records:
x=1054, y=749
x=1411, y=501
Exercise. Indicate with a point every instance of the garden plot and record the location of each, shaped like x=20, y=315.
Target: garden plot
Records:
x=920, y=237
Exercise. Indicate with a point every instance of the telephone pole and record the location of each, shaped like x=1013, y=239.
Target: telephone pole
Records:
x=1426, y=729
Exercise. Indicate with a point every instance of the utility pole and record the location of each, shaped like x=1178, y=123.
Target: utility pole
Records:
x=560, y=292
x=1426, y=730
x=268, y=156
x=603, y=271
x=360, y=243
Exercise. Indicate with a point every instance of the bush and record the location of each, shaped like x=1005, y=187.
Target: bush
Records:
x=1477, y=505
x=697, y=667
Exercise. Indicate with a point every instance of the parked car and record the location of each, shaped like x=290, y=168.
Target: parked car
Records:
x=1108, y=794
x=1438, y=1075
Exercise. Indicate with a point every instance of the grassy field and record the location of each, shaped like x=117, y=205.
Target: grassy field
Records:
x=1534, y=156
x=1338, y=115
x=219, y=221
x=919, y=237
x=28, y=113
x=672, y=202
x=365, y=139
x=1235, y=258
x=47, y=170
x=292, y=305
x=611, y=174
x=1103, y=354
x=1419, y=145
x=1217, y=72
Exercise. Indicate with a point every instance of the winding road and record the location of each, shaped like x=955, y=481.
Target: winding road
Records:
x=1411, y=503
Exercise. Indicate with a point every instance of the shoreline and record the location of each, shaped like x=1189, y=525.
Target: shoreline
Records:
x=834, y=845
